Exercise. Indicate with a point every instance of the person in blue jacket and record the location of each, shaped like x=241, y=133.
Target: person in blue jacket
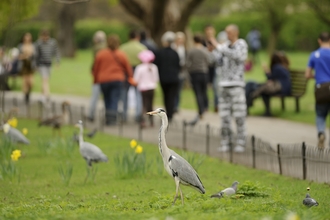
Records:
x=278, y=81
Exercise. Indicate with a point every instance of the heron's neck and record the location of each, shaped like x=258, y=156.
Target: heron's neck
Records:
x=81, y=139
x=163, y=149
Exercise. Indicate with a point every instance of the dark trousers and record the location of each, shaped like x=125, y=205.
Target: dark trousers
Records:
x=147, y=101
x=199, y=84
x=111, y=95
x=169, y=93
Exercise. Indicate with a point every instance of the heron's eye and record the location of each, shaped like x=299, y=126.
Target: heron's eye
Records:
x=161, y=110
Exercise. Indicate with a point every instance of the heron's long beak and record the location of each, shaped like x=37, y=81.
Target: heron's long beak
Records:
x=152, y=113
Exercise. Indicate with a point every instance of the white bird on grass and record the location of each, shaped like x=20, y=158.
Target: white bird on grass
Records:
x=14, y=135
x=90, y=152
x=176, y=166
x=228, y=191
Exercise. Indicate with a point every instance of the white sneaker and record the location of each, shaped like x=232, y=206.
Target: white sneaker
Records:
x=224, y=148
x=239, y=149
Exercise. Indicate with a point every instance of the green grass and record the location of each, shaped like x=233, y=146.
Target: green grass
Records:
x=73, y=77
x=41, y=194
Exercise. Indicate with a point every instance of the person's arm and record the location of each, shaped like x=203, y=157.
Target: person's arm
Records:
x=239, y=52
x=309, y=73
x=128, y=69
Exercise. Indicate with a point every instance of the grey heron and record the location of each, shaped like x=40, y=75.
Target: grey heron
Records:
x=57, y=121
x=309, y=202
x=228, y=191
x=90, y=152
x=14, y=135
x=176, y=166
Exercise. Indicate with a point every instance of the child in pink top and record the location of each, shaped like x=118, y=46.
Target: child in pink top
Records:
x=146, y=76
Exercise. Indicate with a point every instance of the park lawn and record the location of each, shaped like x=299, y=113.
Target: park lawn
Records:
x=73, y=77
x=39, y=192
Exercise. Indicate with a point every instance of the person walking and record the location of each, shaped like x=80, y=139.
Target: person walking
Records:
x=198, y=60
x=46, y=48
x=99, y=43
x=146, y=76
x=319, y=61
x=111, y=69
x=132, y=48
x=231, y=88
x=253, y=39
x=28, y=58
x=168, y=63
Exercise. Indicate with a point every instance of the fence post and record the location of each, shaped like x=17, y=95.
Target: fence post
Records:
x=304, y=160
x=70, y=115
x=121, y=124
x=184, y=135
x=140, y=132
x=279, y=158
x=253, y=140
x=53, y=108
x=102, y=115
x=207, y=139
x=82, y=112
x=40, y=113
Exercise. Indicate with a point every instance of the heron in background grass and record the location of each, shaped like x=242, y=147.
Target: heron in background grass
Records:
x=176, y=166
x=14, y=135
x=90, y=152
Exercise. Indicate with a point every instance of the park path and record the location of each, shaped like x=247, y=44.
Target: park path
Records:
x=272, y=130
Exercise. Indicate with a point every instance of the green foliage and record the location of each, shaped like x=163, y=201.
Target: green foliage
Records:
x=8, y=169
x=252, y=189
x=65, y=170
x=195, y=160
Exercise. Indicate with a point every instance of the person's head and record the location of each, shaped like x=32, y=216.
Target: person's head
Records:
x=168, y=38
x=99, y=37
x=324, y=39
x=209, y=31
x=134, y=35
x=44, y=35
x=198, y=39
x=222, y=37
x=143, y=35
x=146, y=56
x=113, y=41
x=232, y=31
x=27, y=38
x=180, y=38
x=279, y=57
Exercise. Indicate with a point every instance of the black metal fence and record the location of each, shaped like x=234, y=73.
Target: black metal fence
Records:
x=295, y=160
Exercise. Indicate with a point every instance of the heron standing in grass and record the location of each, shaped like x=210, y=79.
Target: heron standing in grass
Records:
x=14, y=135
x=90, y=152
x=176, y=166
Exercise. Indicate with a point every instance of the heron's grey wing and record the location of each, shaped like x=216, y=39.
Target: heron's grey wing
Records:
x=185, y=172
x=91, y=152
x=16, y=136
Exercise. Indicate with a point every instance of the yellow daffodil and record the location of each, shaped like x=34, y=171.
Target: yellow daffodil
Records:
x=13, y=122
x=133, y=143
x=25, y=131
x=138, y=149
x=15, y=155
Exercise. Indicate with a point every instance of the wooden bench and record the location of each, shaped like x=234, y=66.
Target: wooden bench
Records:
x=298, y=88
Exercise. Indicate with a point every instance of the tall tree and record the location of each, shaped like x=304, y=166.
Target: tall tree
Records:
x=159, y=16
x=322, y=9
x=13, y=11
x=69, y=11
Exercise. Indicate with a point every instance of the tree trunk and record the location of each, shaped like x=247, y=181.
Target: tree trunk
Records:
x=272, y=41
x=161, y=15
x=65, y=30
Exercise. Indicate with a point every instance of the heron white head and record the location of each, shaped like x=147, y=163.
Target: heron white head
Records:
x=159, y=111
x=6, y=128
x=79, y=124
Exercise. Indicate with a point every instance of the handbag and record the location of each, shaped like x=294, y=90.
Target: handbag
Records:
x=322, y=93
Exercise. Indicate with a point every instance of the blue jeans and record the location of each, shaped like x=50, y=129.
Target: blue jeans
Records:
x=322, y=111
x=94, y=98
x=111, y=95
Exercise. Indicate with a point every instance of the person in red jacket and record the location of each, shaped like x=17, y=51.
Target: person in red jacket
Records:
x=111, y=68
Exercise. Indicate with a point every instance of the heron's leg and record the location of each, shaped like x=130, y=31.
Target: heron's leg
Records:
x=177, y=183
x=88, y=171
x=181, y=196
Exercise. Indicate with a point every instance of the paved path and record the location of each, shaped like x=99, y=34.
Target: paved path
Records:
x=272, y=130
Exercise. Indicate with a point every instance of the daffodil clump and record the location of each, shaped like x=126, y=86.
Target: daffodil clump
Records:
x=138, y=148
x=13, y=122
x=25, y=131
x=15, y=155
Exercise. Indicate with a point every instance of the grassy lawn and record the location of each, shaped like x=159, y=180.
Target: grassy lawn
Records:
x=40, y=193
x=73, y=77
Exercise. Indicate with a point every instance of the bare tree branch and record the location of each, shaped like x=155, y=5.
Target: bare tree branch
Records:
x=70, y=2
x=188, y=9
x=134, y=8
x=319, y=11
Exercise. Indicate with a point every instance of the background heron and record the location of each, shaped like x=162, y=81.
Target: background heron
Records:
x=90, y=152
x=176, y=166
x=14, y=135
x=228, y=191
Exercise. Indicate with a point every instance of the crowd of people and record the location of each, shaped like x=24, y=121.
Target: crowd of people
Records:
x=215, y=60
